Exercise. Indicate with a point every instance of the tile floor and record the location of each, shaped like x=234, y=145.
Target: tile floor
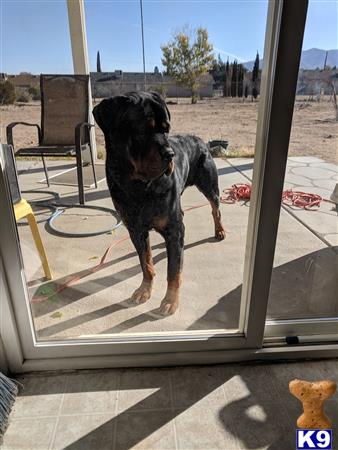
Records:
x=233, y=406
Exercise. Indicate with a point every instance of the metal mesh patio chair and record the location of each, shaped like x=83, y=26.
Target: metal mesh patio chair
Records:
x=64, y=123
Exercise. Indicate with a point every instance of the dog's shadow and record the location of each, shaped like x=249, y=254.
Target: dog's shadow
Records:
x=298, y=275
x=71, y=294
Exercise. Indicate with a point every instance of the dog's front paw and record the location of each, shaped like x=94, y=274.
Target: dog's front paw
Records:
x=143, y=293
x=169, y=304
x=220, y=234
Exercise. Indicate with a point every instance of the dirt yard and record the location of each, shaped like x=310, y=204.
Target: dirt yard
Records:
x=314, y=133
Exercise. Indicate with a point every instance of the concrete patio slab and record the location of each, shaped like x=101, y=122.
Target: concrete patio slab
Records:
x=312, y=175
x=97, y=304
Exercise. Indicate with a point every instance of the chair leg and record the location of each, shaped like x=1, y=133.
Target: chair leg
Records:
x=80, y=176
x=39, y=245
x=45, y=169
x=93, y=165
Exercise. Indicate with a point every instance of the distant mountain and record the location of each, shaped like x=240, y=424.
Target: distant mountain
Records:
x=310, y=59
x=315, y=57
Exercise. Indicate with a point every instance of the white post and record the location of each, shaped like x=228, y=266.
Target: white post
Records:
x=78, y=37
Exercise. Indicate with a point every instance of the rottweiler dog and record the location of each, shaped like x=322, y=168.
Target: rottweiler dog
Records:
x=147, y=171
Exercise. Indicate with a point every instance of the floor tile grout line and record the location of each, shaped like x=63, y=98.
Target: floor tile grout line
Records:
x=224, y=394
x=224, y=439
x=141, y=410
x=114, y=427
x=119, y=411
x=58, y=414
x=172, y=404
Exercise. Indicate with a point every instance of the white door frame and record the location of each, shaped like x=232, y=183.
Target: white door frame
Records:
x=285, y=27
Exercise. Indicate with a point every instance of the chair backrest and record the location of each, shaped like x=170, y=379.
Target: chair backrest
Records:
x=64, y=104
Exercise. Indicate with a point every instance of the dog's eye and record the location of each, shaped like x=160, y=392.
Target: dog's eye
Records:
x=151, y=123
x=165, y=127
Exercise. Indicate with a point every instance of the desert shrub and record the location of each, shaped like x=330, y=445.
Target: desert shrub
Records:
x=101, y=153
x=7, y=93
x=22, y=97
x=161, y=90
x=194, y=98
x=34, y=92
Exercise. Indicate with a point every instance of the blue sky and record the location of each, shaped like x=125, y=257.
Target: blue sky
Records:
x=35, y=34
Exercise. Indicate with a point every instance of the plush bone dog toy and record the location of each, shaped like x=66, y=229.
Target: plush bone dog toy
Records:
x=313, y=395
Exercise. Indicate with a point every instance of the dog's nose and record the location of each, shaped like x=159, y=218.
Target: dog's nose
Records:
x=169, y=154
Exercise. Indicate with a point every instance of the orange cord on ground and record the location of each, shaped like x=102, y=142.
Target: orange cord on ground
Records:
x=299, y=199
x=236, y=192
x=74, y=279
x=100, y=265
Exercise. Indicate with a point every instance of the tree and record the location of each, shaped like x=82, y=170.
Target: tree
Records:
x=325, y=66
x=240, y=80
x=246, y=91
x=254, y=78
x=186, y=58
x=334, y=99
x=234, y=79
x=156, y=70
x=98, y=62
x=7, y=93
x=218, y=73
x=227, y=79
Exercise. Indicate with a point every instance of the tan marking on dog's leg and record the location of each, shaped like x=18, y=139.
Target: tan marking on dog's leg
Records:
x=219, y=229
x=143, y=293
x=171, y=300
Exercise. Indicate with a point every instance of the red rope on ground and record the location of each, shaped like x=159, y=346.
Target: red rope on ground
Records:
x=236, y=193
x=304, y=200
x=301, y=199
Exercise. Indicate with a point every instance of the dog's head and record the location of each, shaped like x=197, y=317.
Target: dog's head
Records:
x=136, y=126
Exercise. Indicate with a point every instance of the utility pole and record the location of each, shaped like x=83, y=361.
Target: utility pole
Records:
x=144, y=61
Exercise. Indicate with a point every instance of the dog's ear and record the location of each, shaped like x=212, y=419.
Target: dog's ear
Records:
x=109, y=112
x=159, y=99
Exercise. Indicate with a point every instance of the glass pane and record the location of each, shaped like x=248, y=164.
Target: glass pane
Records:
x=304, y=279
x=94, y=277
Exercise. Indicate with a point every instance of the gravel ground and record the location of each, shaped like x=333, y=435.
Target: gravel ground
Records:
x=314, y=132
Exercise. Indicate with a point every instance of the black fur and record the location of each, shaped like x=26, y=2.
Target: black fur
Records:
x=147, y=172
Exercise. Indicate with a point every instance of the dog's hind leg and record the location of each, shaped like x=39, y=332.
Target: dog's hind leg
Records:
x=216, y=214
x=206, y=180
x=142, y=245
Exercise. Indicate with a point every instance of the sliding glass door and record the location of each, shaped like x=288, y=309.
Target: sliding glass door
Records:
x=303, y=298
x=83, y=316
